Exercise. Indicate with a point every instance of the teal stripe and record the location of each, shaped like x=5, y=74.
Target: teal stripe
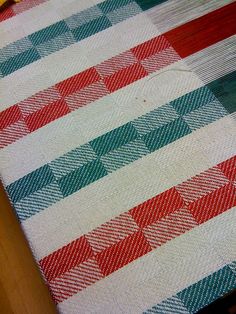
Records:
x=119, y=147
x=208, y=289
x=48, y=33
x=225, y=90
x=19, y=61
x=171, y=305
x=233, y=267
x=114, y=139
x=83, y=17
x=124, y=155
x=30, y=183
x=148, y=4
x=192, y=101
x=111, y=5
x=166, y=134
x=200, y=294
x=15, y=48
x=66, y=32
x=155, y=119
x=81, y=177
x=72, y=160
x=205, y=115
x=123, y=13
x=37, y=201
x=55, y=44
x=91, y=28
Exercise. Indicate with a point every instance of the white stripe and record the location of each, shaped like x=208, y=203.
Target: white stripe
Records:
x=136, y=99
x=91, y=51
x=127, y=187
x=215, y=61
x=161, y=273
x=99, y=117
x=75, y=58
x=39, y=17
x=23, y=24
x=173, y=13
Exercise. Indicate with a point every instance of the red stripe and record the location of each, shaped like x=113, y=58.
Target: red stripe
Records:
x=169, y=227
x=157, y=207
x=47, y=114
x=186, y=39
x=25, y=5
x=66, y=258
x=12, y=133
x=150, y=47
x=125, y=77
x=17, y=8
x=39, y=101
x=6, y=14
x=10, y=116
x=160, y=60
x=159, y=220
x=83, y=275
x=214, y=203
x=87, y=86
x=203, y=31
x=229, y=169
x=122, y=253
x=87, y=95
x=78, y=81
x=114, y=64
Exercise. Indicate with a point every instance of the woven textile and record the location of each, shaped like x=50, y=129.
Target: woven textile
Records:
x=118, y=149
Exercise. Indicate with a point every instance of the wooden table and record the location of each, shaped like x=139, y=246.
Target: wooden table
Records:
x=22, y=289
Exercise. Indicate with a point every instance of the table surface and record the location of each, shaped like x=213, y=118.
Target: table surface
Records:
x=22, y=289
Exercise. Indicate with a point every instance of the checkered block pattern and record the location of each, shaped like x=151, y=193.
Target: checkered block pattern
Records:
x=74, y=138
x=138, y=231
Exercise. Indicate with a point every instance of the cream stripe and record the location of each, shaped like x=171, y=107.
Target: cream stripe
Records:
x=215, y=61
x=174, y=13
x=23, y=24
x=56, y=138
x=92, y=50
x=75, y=58
x=129, y=186
x=31, y=20
x=161, y=273
x=215, y=67
x=97, y=118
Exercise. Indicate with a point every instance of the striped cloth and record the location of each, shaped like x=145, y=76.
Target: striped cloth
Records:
x=118, y=149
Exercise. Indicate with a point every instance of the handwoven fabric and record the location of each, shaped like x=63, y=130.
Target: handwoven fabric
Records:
x=118, y=149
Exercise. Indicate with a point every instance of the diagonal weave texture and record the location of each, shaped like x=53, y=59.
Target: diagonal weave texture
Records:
x=118, y=149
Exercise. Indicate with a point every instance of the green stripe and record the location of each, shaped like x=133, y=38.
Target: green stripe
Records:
x=111, y=5
x=114, y=139
x=124, y=155
x=155, y=119
x=166, y=134
x=190, y=102
x=77, y=27
x=122, y=146
x=83, y=17
x=148, y=4
x=225, y=90
x=91, y=28
x=19, y=61
x=208, y=289
x=82, y=177
x=37, y=201
x=30, y=183
x=48, y=33
x=200, y=294
x=72, y=160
